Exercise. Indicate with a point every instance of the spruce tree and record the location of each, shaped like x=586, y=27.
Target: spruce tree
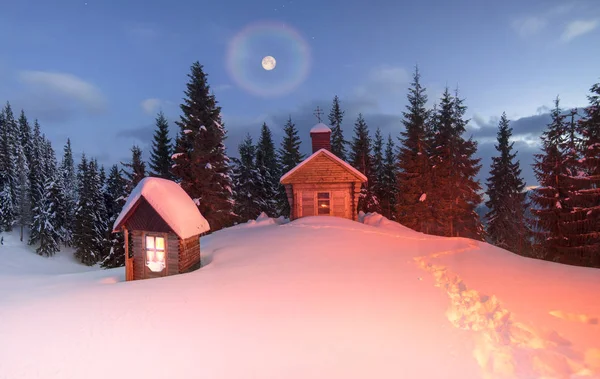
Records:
x=587, y=198
x=84, y=231
x=361, y=158
x=67, y=170
x=137, y=169
x=47, y=222
x=266, y=164
x=246, y=183
x=99, y=214
x=414, y=208
x=389, y=186
x=378, y=168
x=289, y=157
x=549, y=197
x=456, y=191
x=160, y=156
x=25, y=137
x=336, y=115
x=507, y=227
x=9, y=143
x=23, y=198
x=115, y=197
x=201, y=164
x=36, y=167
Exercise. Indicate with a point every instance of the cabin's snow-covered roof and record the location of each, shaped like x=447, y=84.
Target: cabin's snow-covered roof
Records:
x=320, y=128
x=171, y=202
x=329, y=154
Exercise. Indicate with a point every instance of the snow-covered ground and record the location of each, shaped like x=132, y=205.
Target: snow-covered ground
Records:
x=319, y=297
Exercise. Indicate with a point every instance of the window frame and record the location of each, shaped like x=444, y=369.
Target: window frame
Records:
x=329, y=203
x=155, y=250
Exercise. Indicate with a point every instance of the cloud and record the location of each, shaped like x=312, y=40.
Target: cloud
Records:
x=384, y=80
x=65, y=87
x=578, y=28
x=151, y=106
x=529, y=26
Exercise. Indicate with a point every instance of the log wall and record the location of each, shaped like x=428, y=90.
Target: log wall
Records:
x=189, y=254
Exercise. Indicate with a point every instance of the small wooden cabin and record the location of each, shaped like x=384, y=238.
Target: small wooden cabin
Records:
x=165, y=226
x=323, y=184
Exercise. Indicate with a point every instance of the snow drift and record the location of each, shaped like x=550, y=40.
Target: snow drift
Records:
x=318, y=297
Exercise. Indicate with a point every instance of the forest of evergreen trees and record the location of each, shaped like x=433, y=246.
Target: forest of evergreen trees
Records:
x=424, y=178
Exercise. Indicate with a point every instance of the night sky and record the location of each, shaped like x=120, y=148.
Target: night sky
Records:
x=98, y=72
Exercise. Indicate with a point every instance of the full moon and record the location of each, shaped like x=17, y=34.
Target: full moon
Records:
x=269, y=63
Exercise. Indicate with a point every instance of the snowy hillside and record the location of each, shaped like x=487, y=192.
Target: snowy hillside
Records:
x=316, y=298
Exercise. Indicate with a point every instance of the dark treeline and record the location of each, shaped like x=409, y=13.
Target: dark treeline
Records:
x=424, y=178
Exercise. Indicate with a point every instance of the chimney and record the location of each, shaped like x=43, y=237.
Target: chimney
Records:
x=320, y=135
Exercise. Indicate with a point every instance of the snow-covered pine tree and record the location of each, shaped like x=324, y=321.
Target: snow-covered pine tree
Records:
x=114, y=199
x=9, y=142
x=507, y=225
x=456, y=191
x=162, y=149
x=137, y=169
x=266, y=164
x=588, y=195
x=84, y=233
x=549, y=197
x=47, y=221
x=201, y=164
x=414, y=205
x=25, y=137
x=246, y=183
x=99, y=221
x=389, y=186
x=336, y=115
x=362, y=159
x=23, y=199
x=378, y=169
x=67, y=170
x=36, y=179
x=289, y=157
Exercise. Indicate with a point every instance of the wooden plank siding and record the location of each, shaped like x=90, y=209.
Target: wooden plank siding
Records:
x=146, y=218
x=322, y=169
x=189, y=254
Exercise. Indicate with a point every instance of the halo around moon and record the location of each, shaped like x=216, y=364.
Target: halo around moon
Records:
x=269, y=63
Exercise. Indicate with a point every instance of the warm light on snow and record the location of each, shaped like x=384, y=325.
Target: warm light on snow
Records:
x=320, y=297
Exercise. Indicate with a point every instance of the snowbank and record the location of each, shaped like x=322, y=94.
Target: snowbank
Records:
x=318, y=297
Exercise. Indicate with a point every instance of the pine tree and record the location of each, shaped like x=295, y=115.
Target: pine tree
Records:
x=289, y=157
x=246, y=183
x=9, y=143
x=414, y=206
x=36, y=179
x=99, y=214
x=507, y=227
x=456, y=191
x=378, y=169
x=201, y=163
x=47, y=222
x=587, y=198
x=362, y=160
x=114, y=199
x=266, y=164
x=67, y=170
x=23, y=198
x=137, y=169
x=389, y=186
x=549, y=197
x=84, y=231
x=160, y=156
x=336, y=115
x=25, y=137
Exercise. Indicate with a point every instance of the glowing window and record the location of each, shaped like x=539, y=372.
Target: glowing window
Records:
x=155, y=253
x=323, y=203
